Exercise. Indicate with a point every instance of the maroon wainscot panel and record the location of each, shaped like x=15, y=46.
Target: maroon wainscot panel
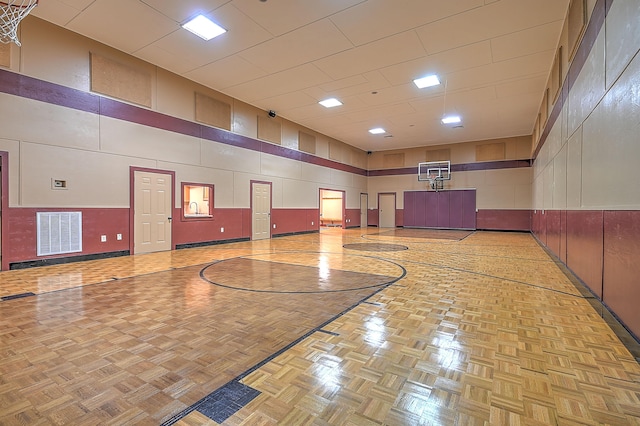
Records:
x=226, y=224
x=288, y=221
x=504, y=220
x=621, y=287
x=22, y=239
x=585, y=247
x=553, y=231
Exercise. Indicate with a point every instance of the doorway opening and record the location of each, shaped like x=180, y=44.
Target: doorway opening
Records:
x=332, y=208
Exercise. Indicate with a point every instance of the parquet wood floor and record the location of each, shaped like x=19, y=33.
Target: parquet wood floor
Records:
x=486, y=329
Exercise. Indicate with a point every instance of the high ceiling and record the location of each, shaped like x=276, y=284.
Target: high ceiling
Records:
x=492, y=56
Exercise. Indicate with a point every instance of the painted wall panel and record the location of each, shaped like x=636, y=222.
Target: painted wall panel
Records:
x=223, y=192
x=574, y=170
x=456, y=209
x=410, y=199
x=589, y=87
x=610, y=145
x=563, y=236
x=340, y=178
x=469, y=203
x=46, y=60
x=443, y=204
x=553, y=231
x=271, y=165
x=622, y=38
x=300, y=194
x=621, y=288
x=125, y=138
x=547, y=182
x=559, y=195
x=227, y=157
x=18, y=115
x=584, y=247
x=12, y=147
x=107, y=185
x=314, y=173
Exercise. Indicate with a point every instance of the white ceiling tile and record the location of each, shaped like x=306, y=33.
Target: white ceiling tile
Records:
x=494, y=20
x=217, y=75
x=242, y=33
x=306, y=44
x=287, y=81
x=461, y=58
x=183, y=10
x=144, y=24
x=385, y=18
x=494, y=73
x=59, y=12
x=380, y=54
x=532, y=40
x=535, y=84
x=281, y=16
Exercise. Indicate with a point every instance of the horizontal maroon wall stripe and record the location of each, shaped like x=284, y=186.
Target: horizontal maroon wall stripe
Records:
x=133, y=114
x=490, y=165
x=38, y=90
x=466, y=167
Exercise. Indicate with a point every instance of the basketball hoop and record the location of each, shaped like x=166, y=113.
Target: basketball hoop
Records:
x=435, y=182
x=11, y=13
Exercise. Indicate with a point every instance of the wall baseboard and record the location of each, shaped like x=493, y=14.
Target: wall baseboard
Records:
x=62, y=260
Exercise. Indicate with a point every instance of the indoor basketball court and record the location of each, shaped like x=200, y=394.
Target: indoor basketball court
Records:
x=340, y=327
x=188, y=237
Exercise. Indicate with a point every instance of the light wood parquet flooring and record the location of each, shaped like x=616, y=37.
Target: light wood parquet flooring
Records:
x=482, y=330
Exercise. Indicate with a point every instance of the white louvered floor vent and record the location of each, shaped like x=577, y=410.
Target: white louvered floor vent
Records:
x=59, y=232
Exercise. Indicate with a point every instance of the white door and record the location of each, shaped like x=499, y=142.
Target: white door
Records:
x=387, y=206
x=152, y=212
x=364, y=202
x=261, y=211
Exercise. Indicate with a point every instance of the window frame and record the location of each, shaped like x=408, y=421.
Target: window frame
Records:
x=185, y=203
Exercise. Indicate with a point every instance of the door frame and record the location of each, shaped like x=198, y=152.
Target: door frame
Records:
x=264, y=182
x=395, y=207
x=344, y=205
x=132, y=177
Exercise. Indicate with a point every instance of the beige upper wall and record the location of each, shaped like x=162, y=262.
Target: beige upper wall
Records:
x=516, y=148
x=589, y=159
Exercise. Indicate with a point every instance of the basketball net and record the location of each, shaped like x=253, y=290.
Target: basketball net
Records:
x=433, y=180
x=11, y=13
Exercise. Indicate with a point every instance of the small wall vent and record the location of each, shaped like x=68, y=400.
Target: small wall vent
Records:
x=59, y=232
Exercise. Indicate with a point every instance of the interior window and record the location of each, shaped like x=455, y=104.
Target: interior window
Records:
x=197, y=201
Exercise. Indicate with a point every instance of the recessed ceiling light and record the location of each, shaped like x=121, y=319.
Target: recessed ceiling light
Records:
x=428, y=81
x=330, y=103
x=452, y=119
x=204, y=27
x=377, y=131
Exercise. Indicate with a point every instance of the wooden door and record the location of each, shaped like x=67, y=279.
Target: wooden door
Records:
x=387, y=210
x=364, y=204
x=152, y=212
x=260, y=211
